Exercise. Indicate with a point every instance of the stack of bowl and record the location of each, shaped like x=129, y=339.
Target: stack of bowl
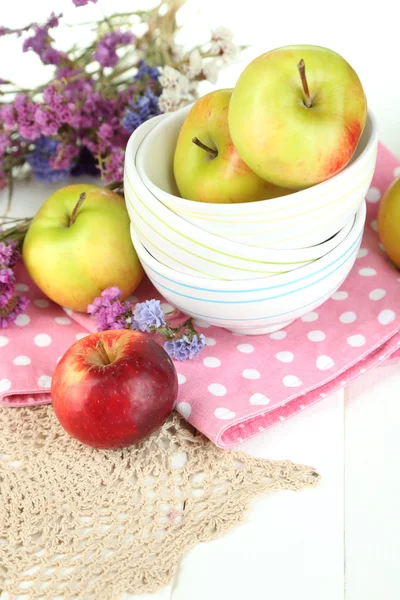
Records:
x=253, y=267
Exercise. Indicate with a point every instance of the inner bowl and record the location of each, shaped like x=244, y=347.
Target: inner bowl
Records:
x=198, y=251
x=299, y=220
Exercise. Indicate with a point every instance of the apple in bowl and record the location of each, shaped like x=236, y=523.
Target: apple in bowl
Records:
x=207, y=166
x=297, y=114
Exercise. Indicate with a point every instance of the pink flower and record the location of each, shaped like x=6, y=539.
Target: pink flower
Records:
x=4, y=142
x=48, y=120
x=64, y=156
x=115, y=165
x=83, y=2
x=26, y=111
x=106, y=51
x=105, y=131
x=8, y=116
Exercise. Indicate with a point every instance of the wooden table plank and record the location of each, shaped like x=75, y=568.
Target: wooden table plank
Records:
x=372, y=484
x=291, y=545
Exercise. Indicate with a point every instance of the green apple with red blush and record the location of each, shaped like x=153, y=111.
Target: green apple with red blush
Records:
x=114, y=388
x=207, y=166
x=296, y=115
x=79, y=244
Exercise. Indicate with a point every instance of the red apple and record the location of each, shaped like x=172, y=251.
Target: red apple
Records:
x=114, y=388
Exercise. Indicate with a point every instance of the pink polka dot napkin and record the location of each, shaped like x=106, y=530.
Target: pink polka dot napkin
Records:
x=241, y=385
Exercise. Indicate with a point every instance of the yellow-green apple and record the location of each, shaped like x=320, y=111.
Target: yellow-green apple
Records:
x=296, y=115
x=114, y=388
x=389, y=221
x=79, y=243
x=207, y=167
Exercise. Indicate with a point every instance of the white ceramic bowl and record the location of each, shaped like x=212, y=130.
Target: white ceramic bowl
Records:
x=191, y=250
x=256, y=306
x=298, y=220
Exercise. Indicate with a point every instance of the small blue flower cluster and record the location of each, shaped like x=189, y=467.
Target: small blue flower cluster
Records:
x=109, y=312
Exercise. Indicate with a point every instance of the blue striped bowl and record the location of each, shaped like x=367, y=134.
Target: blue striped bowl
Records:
x=256, y=306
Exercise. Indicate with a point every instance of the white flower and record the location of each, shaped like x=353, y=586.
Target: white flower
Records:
x=171, y=99
x=195, y=65
x=172, y=79
x=222, y=34
x=210, y=71
x=222, y=44
x=169, y=77
x=178, y=52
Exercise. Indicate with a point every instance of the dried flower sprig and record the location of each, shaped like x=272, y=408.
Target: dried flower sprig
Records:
x=11, y=305
x=80, y=121
x=182, y=342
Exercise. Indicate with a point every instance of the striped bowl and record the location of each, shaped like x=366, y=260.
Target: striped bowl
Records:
x=299, y=220
x=256, y=306
x=191, y=250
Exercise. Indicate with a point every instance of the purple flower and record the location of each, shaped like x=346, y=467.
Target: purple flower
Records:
x=4, y=142
x=26, y=112
x=115, y=165
x=65, y=157
x=40, y=41
x=108, y=311
x=9, y=312
x=105, y=299
x=106, y=51
x=53, y=20
x=40, y=160
x=8, y=115
x=48, y=120
x=7, y=281
x=184, y=347
x=146, y=70
x=9, y=254
x=83, y=2
x=105, y=131
x=143, y=107
x=131, y=120
x=148, y=314
x=7, y=276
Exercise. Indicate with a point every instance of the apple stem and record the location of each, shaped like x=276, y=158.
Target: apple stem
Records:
x=77, y=207
x=211, y=152
x=103, y=353
x=302, y=70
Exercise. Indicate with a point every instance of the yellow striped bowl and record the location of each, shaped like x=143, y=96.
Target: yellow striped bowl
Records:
x=188, y=249
x=299, y=220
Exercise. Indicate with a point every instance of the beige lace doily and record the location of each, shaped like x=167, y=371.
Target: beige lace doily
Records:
x=91, y=524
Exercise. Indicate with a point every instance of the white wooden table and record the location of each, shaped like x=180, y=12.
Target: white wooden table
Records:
x=341, y=540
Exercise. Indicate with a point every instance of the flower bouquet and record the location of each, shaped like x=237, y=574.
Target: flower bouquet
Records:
x=80, y=121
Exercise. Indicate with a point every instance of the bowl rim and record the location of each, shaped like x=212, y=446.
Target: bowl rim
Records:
x=280, y=203
x=282, y=279
x=221, y=246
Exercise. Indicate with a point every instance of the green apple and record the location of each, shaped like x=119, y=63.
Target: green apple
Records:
x=389, y=221
x=297, y=114
x=79, y=243
x=207, y=167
